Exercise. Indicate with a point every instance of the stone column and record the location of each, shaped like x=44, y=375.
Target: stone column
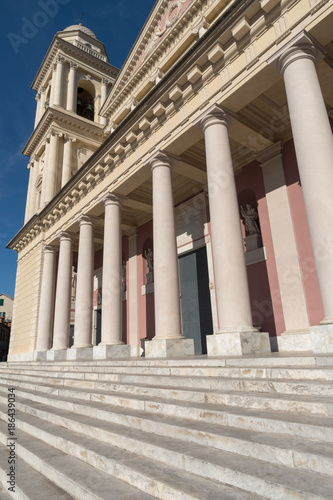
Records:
x=42, y=103
x=104, y=93
x=45, y=322
x=63, y=293
x=71, y=89
x=59, y=81
x=30, y=195
x=296, y=336
x=168, y=340
x=84, y=287
x=133, y=293
x=37, y=117
x=53, y=84
x=314, y=150
x=45, y=170
x=232, y=291
x=33, y=203
x=67, y=160
x=112, y=344
x=51, y=167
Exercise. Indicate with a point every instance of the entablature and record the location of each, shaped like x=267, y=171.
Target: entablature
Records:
x=73, y=53
x=66, y=122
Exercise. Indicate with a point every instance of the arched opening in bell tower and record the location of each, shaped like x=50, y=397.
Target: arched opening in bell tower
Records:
x=85, y=101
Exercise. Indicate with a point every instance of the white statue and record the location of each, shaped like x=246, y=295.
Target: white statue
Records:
x=150, y=259
x=250, y=216
x=123, y=277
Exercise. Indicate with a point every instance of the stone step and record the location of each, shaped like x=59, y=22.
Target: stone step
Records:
x=39, y=464
x=273, y=359
x=118, y=391
x=3, y=493
x=228, y=468
x=98, y=372
x=29, y=484
x=292, y=387
x=166, y=419
x=297, y=424
x=38, y=440
x=297, y=453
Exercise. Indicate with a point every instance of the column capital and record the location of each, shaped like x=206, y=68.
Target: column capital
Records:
x=73, y=65
x=214, y=115
x=67, y=138
x=113, y=199
x=50, y=249
x=303, y=46
x=162, y=159
x=87, y=220
x=54, y=133
x=271, y=152
x=105, y=81
x=60, y=59
x=66, y=235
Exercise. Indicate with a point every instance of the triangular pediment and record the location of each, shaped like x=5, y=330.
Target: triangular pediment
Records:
x=162, y=27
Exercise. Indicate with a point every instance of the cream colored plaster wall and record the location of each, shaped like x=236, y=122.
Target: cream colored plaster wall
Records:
x=26, y=305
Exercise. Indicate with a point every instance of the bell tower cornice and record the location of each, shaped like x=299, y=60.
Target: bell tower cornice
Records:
x=74, y=54
x=69, y=123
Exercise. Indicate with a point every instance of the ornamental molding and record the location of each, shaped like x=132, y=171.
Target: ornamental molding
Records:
x=85, y=59
x=163, y=31
x=54, y=117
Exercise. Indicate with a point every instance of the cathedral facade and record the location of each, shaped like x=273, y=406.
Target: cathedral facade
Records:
x=182, y=205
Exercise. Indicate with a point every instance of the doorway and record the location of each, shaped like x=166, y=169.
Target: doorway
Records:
x=195, y=298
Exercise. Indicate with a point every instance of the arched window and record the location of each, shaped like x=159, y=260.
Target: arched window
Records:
x=85, y=100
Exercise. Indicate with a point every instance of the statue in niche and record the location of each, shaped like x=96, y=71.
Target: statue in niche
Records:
x=150, y=264
x=74, y=279
x=123, y=277
x=250, y=215
x=150, y=259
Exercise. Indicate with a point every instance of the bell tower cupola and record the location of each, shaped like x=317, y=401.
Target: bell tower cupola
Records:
x=71, y=84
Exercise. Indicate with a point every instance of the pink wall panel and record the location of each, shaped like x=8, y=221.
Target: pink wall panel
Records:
x=302, y=234
x=146, y=302
x=263, y=279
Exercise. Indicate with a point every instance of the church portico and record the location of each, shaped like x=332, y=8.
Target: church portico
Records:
x=125, y=179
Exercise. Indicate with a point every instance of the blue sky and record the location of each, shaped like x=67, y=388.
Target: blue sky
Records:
x=27, y=29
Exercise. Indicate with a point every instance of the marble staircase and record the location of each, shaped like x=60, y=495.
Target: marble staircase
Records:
x=240, y=428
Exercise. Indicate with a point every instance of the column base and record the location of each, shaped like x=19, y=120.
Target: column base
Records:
x=322, y=338
x=168, y=348
x=40, y=355
x=136, y=351
x=111, y=351
x=290, y=341
x=79, y=353
x=56, y=355
x=238, y=343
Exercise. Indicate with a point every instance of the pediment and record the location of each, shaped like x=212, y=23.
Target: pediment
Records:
x=164, y=19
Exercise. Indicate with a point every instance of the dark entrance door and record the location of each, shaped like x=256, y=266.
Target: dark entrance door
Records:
x=195, y=298
x=71, y=335
x=98, y=326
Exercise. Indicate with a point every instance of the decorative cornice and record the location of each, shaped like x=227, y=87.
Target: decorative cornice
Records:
x=163, y=25
x=53, y=116
x=72, y=51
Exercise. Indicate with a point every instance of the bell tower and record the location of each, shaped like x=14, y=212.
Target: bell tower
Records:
x=71, y=84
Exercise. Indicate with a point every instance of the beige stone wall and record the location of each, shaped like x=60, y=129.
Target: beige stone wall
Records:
x=26, y=305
